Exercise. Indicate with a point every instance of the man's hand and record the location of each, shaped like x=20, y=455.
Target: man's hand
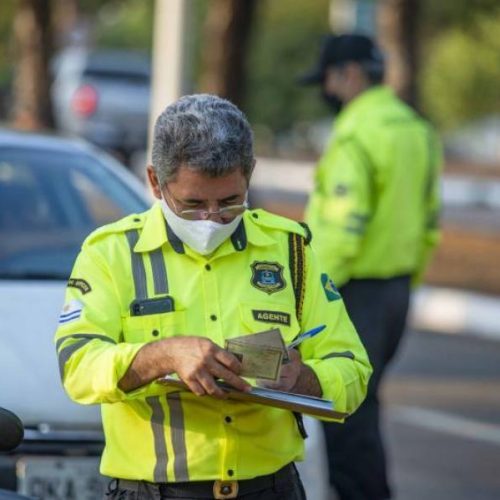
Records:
x=289, y=373
x=197, y=361
x=295, y=377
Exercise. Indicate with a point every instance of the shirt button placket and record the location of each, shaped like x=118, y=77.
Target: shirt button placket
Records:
x=212, y=300
x=230, y=457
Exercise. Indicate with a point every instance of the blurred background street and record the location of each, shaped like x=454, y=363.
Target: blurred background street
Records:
x=442, y=422
x=93, y=74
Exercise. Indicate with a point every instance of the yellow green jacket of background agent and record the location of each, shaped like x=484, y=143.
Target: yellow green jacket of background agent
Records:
x=158, y=434
x=375, y=205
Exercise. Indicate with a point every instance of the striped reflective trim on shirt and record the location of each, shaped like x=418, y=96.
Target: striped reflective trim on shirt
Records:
x=159, y=271
x=160, y=446
x=178, y=434
x=138, y=269
x=344, y=354
x=65, y=353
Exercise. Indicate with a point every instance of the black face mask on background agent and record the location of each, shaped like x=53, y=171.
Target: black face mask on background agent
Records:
x=332, y=101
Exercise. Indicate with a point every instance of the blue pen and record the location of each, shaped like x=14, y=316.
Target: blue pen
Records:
x=306, y=335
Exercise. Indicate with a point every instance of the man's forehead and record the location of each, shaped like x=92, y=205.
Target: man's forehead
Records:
x=194, y=183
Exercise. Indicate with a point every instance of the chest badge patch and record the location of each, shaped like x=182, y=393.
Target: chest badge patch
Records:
x=268, y=276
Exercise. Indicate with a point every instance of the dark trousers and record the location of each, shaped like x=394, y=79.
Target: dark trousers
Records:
x=283, y=485
x=356, y=457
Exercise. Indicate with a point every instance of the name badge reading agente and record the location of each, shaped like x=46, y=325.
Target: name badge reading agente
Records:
x=271, y=317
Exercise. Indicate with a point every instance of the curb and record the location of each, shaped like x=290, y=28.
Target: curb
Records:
x=451, y=311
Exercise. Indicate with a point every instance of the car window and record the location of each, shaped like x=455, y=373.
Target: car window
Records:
x=49, y=202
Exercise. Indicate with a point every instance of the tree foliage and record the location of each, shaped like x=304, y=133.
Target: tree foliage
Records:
x=122, y=23
x=285, y=44
x=461, y=78
x=459, y=46
x=6, y=17
x=464, y=15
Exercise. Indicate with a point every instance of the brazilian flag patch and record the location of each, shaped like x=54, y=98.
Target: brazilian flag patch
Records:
x=330, y=289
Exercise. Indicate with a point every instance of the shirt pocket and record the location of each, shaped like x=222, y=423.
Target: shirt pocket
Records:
x=260, y=316
x=150, y=327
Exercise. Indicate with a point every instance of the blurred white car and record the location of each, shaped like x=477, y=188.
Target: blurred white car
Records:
x=53, y=192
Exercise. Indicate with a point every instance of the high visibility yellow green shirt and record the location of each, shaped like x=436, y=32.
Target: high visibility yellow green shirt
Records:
x=375, y=205
x=157, y=433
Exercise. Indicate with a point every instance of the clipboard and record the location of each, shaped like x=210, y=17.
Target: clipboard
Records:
x=309, y=405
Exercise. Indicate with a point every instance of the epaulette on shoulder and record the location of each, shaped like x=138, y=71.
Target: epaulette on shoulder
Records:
x=133, y=221
x=273, y=221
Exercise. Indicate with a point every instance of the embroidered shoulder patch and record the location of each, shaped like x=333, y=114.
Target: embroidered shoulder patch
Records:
x=81, y=284
x=267, y=276
x=70, y=312
x=330, y=289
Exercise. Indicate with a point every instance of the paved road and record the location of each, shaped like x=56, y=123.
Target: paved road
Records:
x=441, y=422
x=443, y=418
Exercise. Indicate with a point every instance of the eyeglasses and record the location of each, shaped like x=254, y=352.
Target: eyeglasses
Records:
x=227, y=214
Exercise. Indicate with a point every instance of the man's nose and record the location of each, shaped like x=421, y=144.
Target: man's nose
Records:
x=215, y=216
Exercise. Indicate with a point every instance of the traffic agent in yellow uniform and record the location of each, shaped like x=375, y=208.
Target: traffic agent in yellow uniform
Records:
x=159, y=293
x=376, y=200
x=374, y=214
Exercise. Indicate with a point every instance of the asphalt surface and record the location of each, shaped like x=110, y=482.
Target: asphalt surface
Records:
x=442, y=418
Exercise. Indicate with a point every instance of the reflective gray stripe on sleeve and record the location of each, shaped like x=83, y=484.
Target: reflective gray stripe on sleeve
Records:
x=67, y=352
x=158, y=429
x=178, y=437
x=159, y=271
x=138, y=270
x=83, y=336
x=345, y=354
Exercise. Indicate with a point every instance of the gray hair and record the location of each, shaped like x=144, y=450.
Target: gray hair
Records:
x=205, y=133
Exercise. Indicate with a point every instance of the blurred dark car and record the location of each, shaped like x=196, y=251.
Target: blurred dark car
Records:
x=104, y=97
x=53, y=192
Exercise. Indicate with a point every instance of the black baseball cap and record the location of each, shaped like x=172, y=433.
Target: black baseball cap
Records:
x=337, y=50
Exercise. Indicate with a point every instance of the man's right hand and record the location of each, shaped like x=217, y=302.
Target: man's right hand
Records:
x=197, y=360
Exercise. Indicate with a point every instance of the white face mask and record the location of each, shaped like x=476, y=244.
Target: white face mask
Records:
x=203, y=236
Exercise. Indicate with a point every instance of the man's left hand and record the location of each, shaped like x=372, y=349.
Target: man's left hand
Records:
x=289, y=373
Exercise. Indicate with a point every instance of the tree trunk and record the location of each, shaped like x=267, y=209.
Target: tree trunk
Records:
x=226, y=34
x=33, y=45
x=398, y=23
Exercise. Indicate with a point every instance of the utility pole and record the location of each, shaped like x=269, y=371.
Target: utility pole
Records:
x=168, y=58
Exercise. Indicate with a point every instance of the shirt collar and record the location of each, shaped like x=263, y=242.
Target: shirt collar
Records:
x=248, y=231
x=255, y=234
x=156, y=232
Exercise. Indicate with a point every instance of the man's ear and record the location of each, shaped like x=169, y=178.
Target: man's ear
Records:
x=153, y=182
